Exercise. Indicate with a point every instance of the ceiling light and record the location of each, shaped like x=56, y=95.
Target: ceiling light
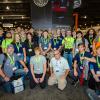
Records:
x=7, y=7
x=85, y=17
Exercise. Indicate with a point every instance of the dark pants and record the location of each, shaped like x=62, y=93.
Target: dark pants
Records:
x=93, y=84
x=33, y=83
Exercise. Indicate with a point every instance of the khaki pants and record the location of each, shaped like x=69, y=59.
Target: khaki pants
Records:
x=55, y=80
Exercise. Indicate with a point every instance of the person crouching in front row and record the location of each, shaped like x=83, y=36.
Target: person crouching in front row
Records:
x=38, y=69
x=59, y=70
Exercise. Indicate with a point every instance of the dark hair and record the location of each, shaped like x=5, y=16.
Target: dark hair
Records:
x=45, y=31
x=98, y=29
x=87, y=34
x=79, y=32
x=81, y=44
x=29, y=33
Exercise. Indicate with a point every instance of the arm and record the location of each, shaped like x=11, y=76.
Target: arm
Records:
x=24, y=51
x=48, y=48
x=44, y=72
x=32, y=71
x=3, y=75
x=90, y=59
x=95, y=76
x=25, y=67
x=75, y=68
x=66, y=73
x=94, y=48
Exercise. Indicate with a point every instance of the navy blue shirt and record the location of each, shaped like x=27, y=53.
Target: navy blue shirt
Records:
x=77, y=57
x=1, y=39
x=56, y=43
x=20, y=45
x=94, y=66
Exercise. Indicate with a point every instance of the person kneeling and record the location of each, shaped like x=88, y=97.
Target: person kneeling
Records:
x=38, y=69
x=59, y=70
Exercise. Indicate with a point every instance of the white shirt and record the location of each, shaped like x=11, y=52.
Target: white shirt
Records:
x=59, y=66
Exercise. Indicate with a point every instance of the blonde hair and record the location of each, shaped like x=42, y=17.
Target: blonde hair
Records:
x=37, y=49
x=14, y=40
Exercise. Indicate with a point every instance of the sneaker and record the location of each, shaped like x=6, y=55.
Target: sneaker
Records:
x=92, y=95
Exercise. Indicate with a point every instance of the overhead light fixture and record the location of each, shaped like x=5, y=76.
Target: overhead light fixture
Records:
x=2, y=17
x=85, y=16
x=7, y=8
x=22, y=17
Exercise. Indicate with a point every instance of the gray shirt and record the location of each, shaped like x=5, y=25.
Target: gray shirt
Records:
x=8, y=66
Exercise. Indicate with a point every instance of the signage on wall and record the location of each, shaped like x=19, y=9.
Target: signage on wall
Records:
x=7, y=25
x=41, y=3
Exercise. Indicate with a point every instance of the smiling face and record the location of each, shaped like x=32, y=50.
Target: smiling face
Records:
x=98, y=51
x=81, y=48
x=45, y=34
x=91, y=32
x=68, y=33
x=17, y=38
x=10, y=50
x=8, y=35
x=57, y=54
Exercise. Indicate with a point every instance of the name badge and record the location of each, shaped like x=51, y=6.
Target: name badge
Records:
x=77, y=50
x=98, y=72
x=18, y=54
x=30, y=50
x=45, y=48
x=81, y=67
x=14, y=68
x=54, y=48
x=90, y=46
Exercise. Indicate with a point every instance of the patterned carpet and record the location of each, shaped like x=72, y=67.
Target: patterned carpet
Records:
x=49, y=93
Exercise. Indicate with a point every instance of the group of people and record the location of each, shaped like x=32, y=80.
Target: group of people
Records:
x=60, y=52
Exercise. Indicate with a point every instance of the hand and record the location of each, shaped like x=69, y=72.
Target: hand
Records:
x=82, y=58
x=52, y=75
x=41, y=79
x=96, y=78
x=24, y=59
x=75, y=73
x=36, y=80
x=26, y=69
x=44, y=53
x=6, y=78
x=63, y=77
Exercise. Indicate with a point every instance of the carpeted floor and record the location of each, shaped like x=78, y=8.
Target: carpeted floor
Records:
x=49, y=93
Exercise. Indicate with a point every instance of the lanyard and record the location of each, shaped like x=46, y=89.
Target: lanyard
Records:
x=18, y=46
x=12, y=60
x=30, y=45
x=37, y=60
x=90, y=40
x=81, y=55
x=45, y=40
x=55, y=42
x=98, y=63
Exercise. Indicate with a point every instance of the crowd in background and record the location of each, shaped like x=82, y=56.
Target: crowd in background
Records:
x=59, y=52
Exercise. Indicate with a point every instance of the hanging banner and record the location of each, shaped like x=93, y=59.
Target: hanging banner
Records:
x=77, y=3
x=41, y=3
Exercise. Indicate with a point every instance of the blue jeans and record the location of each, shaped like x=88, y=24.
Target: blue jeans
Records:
x=18, y=63
x=69, y=58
